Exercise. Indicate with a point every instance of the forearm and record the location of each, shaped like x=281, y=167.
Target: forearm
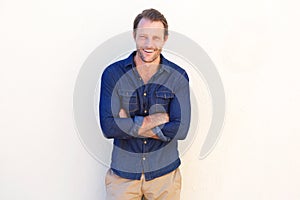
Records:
x=152, y=121
x=156, y=119
x=150, y=134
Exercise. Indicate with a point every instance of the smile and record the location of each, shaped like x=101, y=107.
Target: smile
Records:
x=148, y=50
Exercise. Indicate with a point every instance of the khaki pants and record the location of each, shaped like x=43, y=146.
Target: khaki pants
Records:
x=166, y=187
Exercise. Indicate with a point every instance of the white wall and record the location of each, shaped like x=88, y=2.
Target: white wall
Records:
x=254, y=45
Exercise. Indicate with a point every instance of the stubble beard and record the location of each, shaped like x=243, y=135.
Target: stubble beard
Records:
x=154, y=57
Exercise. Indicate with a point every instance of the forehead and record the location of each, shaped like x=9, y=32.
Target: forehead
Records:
x=147, y=23
x=148, y=26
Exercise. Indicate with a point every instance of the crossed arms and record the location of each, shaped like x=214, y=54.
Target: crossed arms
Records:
x=115, y=122
x=149, y=122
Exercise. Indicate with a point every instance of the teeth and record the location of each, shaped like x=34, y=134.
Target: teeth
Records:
x=148, y=50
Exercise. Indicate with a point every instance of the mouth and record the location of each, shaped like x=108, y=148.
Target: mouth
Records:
x=148, y=50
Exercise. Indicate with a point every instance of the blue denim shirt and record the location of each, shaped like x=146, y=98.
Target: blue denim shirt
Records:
x=167, y=91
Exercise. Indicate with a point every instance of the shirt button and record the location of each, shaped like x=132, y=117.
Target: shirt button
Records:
x=144, y=158
x=145, y=94
x=145, y=111
x=145, y=142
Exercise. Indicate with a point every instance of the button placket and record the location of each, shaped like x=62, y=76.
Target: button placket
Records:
x=145, y=95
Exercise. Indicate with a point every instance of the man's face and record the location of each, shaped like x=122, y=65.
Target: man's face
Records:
x=149, y=38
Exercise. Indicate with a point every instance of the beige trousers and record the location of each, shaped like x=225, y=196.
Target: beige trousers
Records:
x=166, y=187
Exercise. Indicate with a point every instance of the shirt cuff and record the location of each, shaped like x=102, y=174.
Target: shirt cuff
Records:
x=138, y=121
x=157, y=131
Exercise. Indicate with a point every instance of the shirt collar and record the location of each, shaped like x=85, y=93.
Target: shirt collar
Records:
x=129, y=62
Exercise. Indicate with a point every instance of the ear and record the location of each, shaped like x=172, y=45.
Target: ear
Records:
x=134, y=34
x=166, y=38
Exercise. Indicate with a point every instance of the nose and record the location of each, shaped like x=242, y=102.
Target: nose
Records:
x=149, y=43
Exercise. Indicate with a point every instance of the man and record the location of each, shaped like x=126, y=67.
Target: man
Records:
x=145, y=108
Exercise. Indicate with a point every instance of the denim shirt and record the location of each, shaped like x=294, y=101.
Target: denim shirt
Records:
x=168, y=92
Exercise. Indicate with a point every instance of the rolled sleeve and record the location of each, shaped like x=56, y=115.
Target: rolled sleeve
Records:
x=138, y=121
x=157, y=131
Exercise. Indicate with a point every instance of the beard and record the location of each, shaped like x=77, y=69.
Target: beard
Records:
x=148, y=57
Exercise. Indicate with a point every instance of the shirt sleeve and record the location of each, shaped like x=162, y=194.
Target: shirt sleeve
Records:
x=157, y=131
x=111, y=124
x=179, y=113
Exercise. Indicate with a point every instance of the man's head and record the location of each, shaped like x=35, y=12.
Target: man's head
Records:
x=150, y=31
x=152, y=15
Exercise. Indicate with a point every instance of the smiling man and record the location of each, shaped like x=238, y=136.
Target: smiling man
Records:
x=145, y=108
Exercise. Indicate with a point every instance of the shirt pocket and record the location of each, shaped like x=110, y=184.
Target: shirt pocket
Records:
x=162, y=100
x=129, y=100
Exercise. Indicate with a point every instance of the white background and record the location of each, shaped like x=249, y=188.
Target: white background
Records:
x=254, y=45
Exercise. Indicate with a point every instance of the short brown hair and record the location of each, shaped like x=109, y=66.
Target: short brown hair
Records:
x=153, y=15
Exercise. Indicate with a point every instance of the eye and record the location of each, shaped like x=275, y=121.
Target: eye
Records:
x=142, y=37
x=156, y=38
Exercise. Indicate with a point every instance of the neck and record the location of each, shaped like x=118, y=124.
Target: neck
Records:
x=146, y=70
x=139, y=62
